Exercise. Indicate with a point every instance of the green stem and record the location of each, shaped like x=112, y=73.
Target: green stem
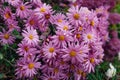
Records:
x=11, y=48
x=8, y=62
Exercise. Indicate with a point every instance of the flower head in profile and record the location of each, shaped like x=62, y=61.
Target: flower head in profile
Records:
x=30, y=36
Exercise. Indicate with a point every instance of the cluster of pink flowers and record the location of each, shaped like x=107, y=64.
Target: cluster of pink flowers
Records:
x=55, y=45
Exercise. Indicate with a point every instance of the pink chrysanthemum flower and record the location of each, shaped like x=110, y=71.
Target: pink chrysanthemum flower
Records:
x=42, y=27
x=89, y=36
x=76, y=15
x=75, y=52
x=48, y=76
x=26, y=49
x=13, y=25
x=92, y=19
x=62, y=64
x=32, y=21
x=64, y=26
x=44, y=12
x=78, y=36
x=58, y=73
x=7, y=14
x=91, y=61
x=79, y=72
x=50, y=50
x=36, y=3
x=19, y=70
x=58, y=18
x=43, y=9
x=6, y=37
x=30, y=36
x=29, y=67
x=103, y=11
x=46, y=17
x=61, y=39
x=23, y=10
x=14, y=2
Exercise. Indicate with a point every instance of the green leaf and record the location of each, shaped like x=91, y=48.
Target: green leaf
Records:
x=15, y=32
x=1, y=56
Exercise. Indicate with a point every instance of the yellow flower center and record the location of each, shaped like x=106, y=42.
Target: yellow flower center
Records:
x=89, y=36
x=47, y=16
x=6, y=36
x=75, y=4
x=72, y=53
x=62, y=62
x=26, y=48
x=59, y=20
x=29, y=56
x=61, y=37
x=92, y=60
x=78, y=36
x=51, y=50
x=11, y=26
x=22, y=8
x=7, y=15
x=32, y=22
x=86, y=19
x=42, y=9
x=31, y=65
x=76, y=16
x=83, y=74
x=50, y=79
x=80, y=28
x=79, y=72
x=92, y=23
x=65, y=28
x=31, y=36
x=56, y=70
